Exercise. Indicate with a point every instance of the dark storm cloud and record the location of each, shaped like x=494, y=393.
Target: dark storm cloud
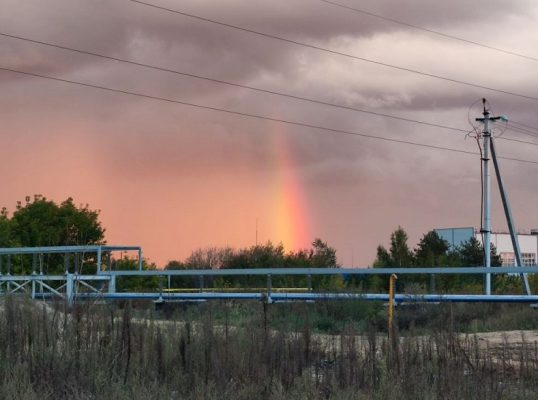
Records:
x=126, y=28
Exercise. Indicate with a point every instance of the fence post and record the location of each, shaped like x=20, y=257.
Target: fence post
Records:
x=112, y=284
x=69, y=293
x=66, y=262
x=34, y=267
x=269, y=287
x=8, y=283
x=41, y=272
x=99, y=256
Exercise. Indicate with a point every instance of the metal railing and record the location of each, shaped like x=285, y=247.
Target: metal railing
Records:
x=102, y=284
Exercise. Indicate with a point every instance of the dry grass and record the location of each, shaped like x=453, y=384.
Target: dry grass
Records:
x=101, y=352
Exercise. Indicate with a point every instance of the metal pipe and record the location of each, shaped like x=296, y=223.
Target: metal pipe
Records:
x=284, y=297
x=65, y=249
x=327, y=271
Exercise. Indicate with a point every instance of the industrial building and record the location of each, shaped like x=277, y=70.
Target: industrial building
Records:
x=528, y=243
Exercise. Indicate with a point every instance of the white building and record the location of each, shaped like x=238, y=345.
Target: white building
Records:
x=528, y=243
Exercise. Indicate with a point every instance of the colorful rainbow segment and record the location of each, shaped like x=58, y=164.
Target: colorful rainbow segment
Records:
x=292, y=227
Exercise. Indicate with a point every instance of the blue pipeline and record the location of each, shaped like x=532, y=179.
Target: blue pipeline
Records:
x=287, y=297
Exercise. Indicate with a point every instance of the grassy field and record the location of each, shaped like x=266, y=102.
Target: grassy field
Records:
x=255, y=351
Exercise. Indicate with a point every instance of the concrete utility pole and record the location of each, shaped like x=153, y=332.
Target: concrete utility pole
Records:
x=486, y=201
x=486, y=193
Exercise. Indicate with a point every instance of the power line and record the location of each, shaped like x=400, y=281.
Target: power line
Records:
x=239, y=85
x=311, y=46
x=522, y=131
x=516, y=140
x=234, y=84
x=256, y=116
x=520, y=124
x=421, y=28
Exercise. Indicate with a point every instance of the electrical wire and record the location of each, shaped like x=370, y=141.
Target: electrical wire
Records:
x=256, y=116
x=523, y=125
x=421, y=28
x=476, y=133
x=335, y=52
x=522, y=130
x=239, y=85
x=517, y=140
x=253, y=88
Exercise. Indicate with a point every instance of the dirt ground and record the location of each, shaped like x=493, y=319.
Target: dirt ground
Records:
x=512, y=347
x=510, y=337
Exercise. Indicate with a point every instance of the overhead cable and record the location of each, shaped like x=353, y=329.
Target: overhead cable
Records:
x=253, y=88
x=256, y=116
x=421, y=28
x=511, y=122
x=327, y=50
x=522, y=131
x=223, y=82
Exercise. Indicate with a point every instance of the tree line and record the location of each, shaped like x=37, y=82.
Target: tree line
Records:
x=41, y=222
x=434, y=251
x=267, y=255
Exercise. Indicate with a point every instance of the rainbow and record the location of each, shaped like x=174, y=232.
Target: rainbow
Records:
x=291, y=222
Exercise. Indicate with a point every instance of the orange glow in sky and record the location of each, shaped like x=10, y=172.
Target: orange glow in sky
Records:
x=291, y=216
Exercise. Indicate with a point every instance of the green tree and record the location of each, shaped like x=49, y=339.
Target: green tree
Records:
x=260, y=256
x=42, y=222
x=400, y=254
x=471, y=253
x=383, y=258
x=136, y=283
x=431, y=251
x=5, y=229
x=322, y=255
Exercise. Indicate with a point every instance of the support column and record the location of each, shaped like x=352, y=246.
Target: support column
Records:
x=8, y=283
x=269, y=287
x=99, y=257
x=41, y=272
x=112, y=284
x=69, y=292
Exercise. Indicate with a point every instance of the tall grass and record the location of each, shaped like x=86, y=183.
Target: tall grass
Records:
x=110, y=352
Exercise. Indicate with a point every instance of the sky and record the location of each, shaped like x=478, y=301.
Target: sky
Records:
x=173, y=178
